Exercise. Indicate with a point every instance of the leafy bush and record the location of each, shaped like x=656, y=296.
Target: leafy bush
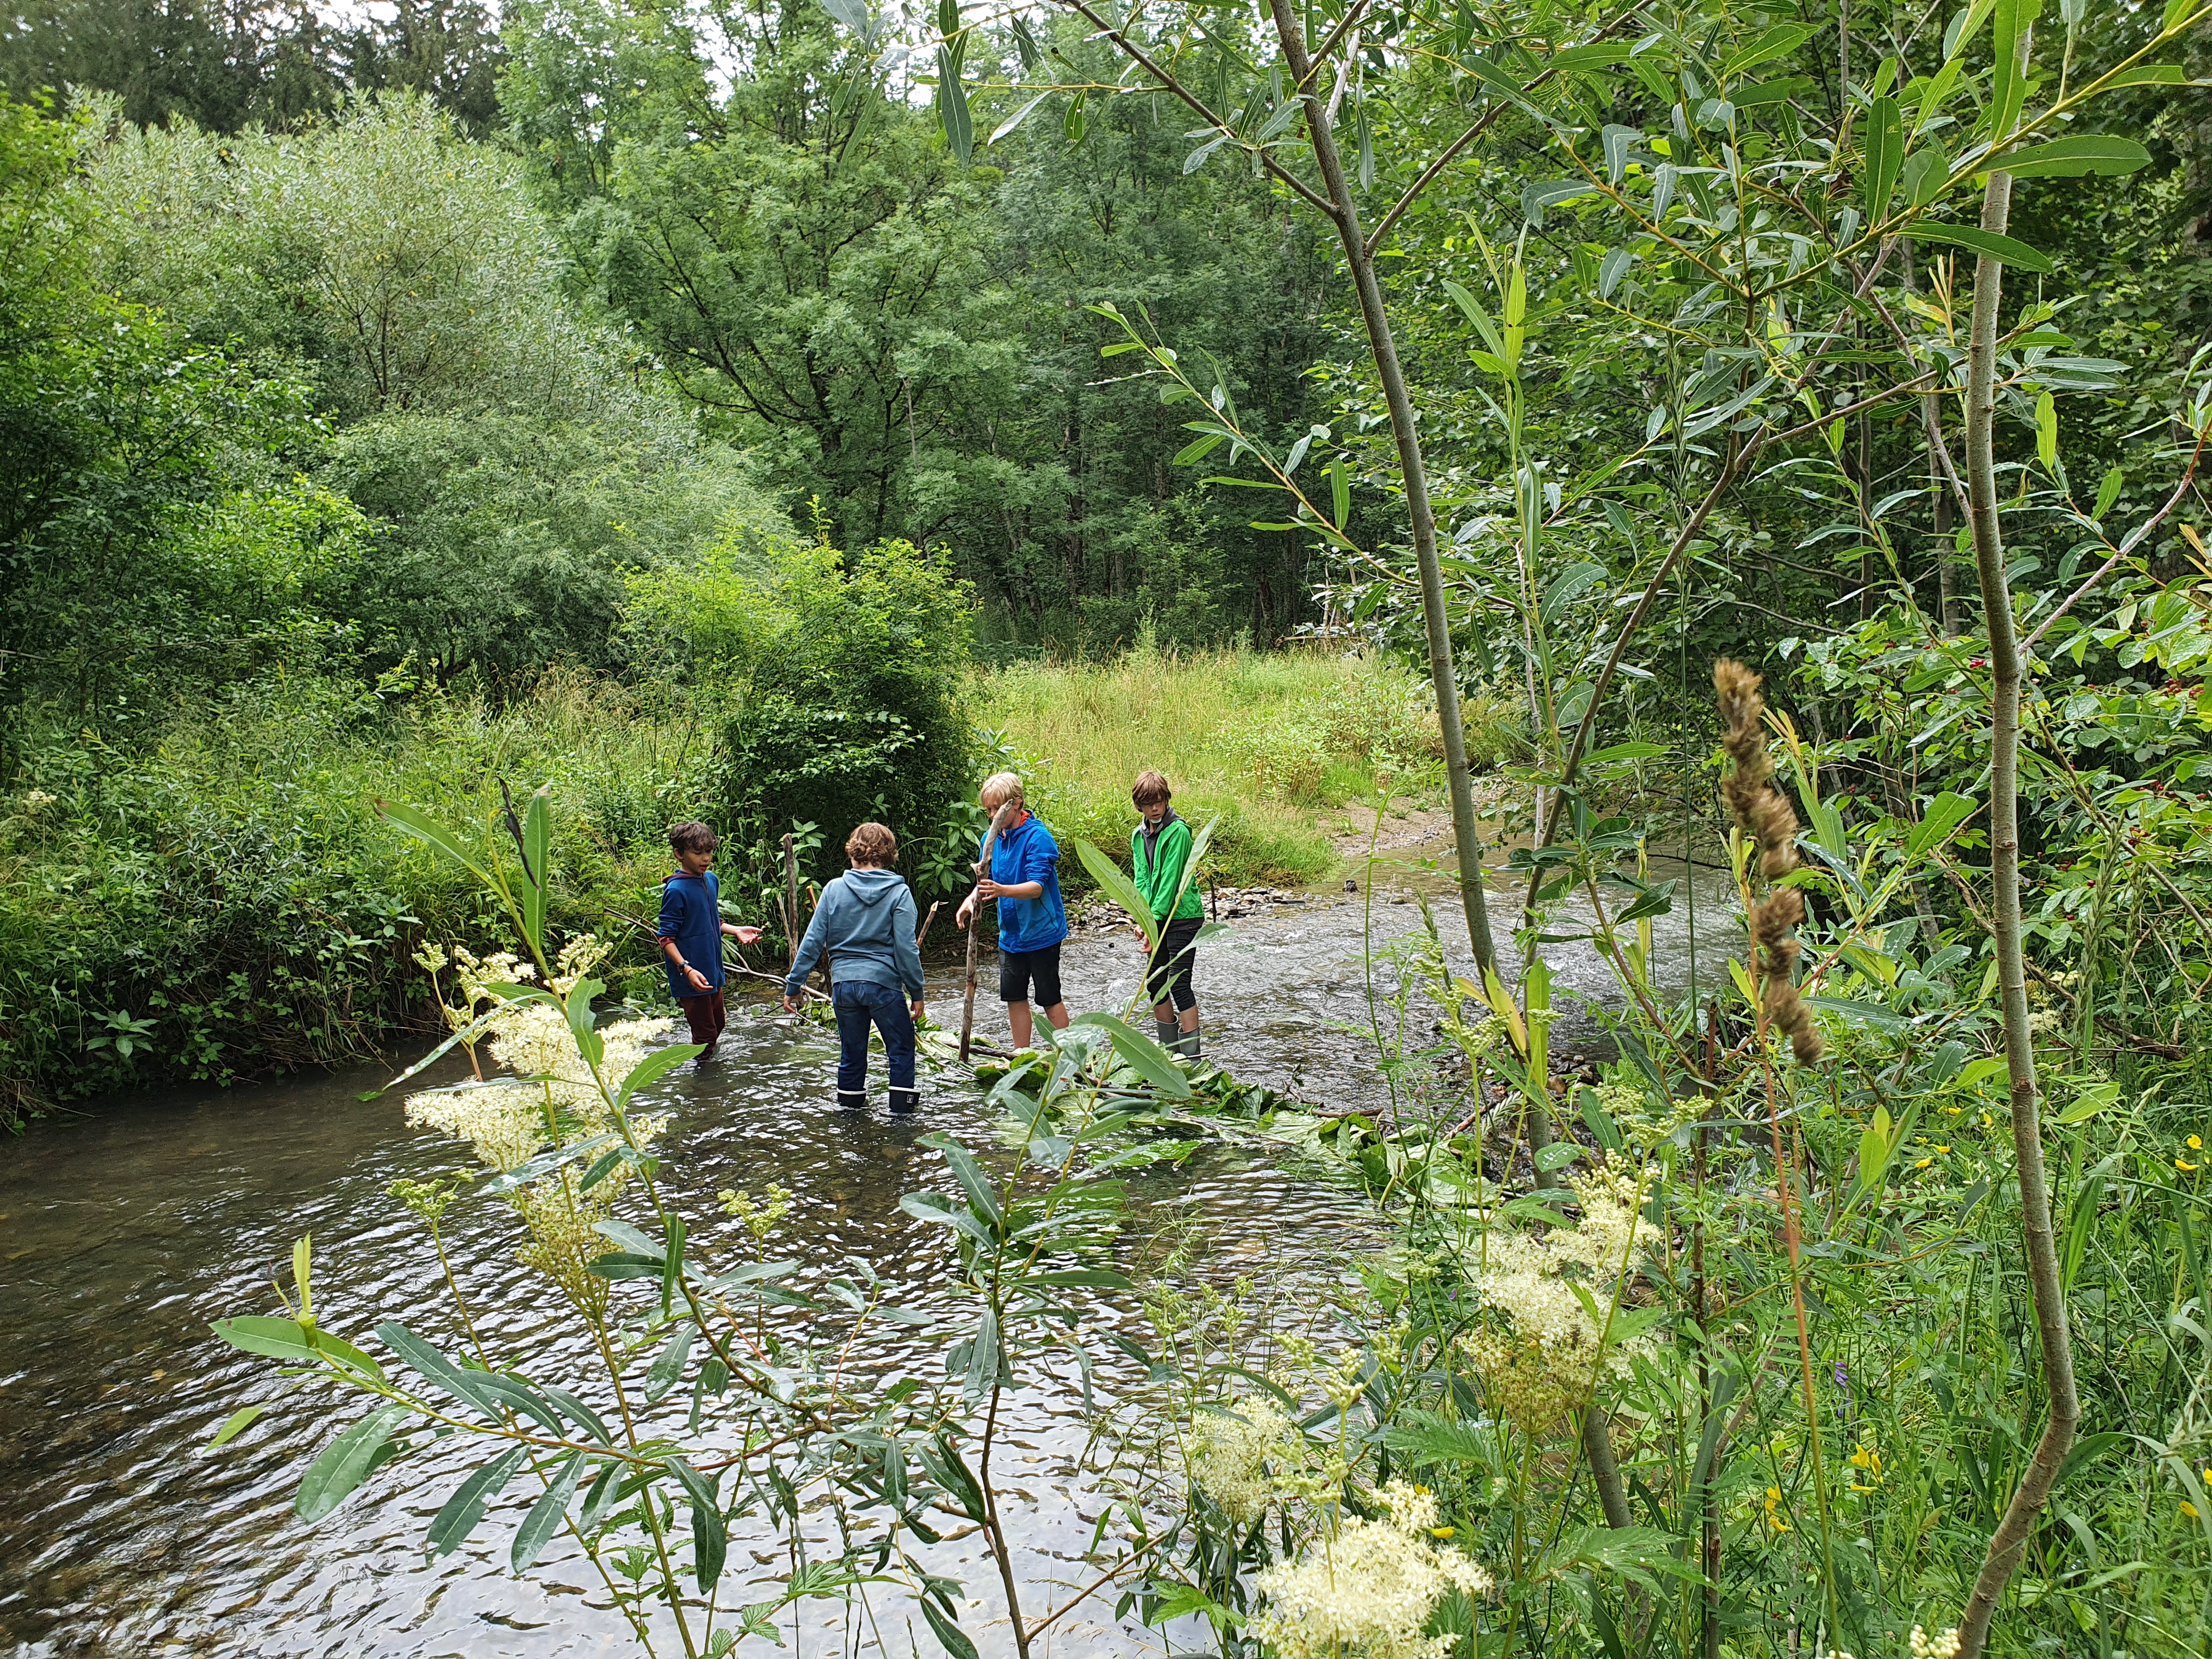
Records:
x=842, y=683
x=222, y=902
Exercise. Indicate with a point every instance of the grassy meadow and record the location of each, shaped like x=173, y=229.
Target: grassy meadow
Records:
x=1264, y=740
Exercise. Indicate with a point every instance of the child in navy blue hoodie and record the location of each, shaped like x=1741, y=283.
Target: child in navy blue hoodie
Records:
x=691, y=929
x=866, y=921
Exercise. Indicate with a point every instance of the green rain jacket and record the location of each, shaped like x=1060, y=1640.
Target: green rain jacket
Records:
x=1158, y=868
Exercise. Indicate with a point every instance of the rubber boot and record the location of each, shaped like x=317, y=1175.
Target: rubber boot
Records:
x=1168, y=1032
x=905, y=1102
x=1186, y=1044
x=854, y=1099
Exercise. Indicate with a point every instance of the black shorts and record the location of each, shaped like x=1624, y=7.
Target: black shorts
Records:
x=1168, y=974
x=1018, y=968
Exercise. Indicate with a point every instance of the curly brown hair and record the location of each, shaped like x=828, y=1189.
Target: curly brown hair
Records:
x=874, y=844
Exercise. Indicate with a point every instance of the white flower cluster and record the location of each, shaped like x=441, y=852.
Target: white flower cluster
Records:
x=1925, y=1646
x=1229, y=1458
x=556, y=1100
x=1549, y=1360
x=1369, y=1591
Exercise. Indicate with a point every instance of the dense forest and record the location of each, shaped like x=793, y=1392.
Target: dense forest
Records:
x=1751, y=438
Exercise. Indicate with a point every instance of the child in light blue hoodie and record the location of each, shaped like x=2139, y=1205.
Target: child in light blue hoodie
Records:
x=866, y=921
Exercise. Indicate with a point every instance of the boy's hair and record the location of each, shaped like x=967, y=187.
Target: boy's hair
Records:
x=872, y=843
x=1150, y=789
x=692, y=836
x=1000, y=788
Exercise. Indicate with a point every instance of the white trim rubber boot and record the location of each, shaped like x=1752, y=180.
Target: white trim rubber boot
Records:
x=906, y=1101
x=853, y=1099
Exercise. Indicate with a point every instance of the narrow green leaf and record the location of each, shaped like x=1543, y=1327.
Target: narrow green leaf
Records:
x=545, y=1514
x=953, y=1639
x=710, y=1540
x=2013, y=252
x=2072, y=158
x=1120, y=888
x=2108, y=492
x=952, y=107
x=428, y=1363
x=1944, y=815
x=1017, y=118
x=461, y=1513
x=1885, y=155
x=235, y=1425
x=653, y=1067
x=536, y=864
x=668, y=1366
x=345, y=1462
x=982, y=1194
x=1143, y=1056
x=423, y=826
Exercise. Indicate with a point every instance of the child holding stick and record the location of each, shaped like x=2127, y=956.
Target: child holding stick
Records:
x=1159, y=854
x=1024, y=879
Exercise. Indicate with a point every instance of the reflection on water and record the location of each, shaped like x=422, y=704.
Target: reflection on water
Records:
x=125, y=1232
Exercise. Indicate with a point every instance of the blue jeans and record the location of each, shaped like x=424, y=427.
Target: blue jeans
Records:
x=860, y=1003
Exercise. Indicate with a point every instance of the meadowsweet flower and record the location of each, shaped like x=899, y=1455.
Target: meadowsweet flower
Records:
x=1925, y=1646
x=1369, y=1591
x=1228, y=1457
x=1547, y=1354
x=558, y=1099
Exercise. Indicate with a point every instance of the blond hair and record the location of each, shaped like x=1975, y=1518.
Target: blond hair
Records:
x=872, y=843
x=1000, y=788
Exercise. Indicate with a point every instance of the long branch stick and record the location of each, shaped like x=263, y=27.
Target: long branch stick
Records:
x=2009, y=1541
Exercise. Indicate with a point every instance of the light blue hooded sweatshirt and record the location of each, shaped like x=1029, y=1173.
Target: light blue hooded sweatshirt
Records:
x=866, y=921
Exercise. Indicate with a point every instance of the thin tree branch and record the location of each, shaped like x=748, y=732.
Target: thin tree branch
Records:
x=1451, y=152
x=1168, y=84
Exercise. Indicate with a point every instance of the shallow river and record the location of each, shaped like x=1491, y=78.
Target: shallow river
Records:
x=124, y=1232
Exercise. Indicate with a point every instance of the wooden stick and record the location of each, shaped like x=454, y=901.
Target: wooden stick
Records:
x=974, y=920
x=791, y=898
x=924, y=935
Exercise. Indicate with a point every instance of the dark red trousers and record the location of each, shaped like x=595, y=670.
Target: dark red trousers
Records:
x=707, y=1018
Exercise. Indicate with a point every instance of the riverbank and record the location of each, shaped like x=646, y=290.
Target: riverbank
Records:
x=210, y=896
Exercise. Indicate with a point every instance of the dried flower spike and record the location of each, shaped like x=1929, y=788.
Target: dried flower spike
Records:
x=1765, y=816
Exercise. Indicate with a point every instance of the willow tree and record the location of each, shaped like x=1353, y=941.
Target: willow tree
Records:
x=1754, y=190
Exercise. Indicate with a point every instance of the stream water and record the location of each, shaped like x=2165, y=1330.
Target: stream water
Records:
x=125, y=1232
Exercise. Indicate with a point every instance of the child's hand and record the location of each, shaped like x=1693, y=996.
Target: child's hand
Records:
x=698, y=981
x=986, y=888
x=789, y=1006
x=918, y=1010
x=743, y=935
x=967, y=909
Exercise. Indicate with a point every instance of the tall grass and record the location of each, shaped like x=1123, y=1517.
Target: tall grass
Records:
x=1262, y=740
x=219, y=899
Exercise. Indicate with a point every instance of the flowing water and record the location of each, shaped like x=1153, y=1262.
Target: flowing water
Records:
x=123, y=1233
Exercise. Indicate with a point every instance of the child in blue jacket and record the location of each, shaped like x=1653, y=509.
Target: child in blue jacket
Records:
x=1024, y=879
x=866, y=922
x=692, y=931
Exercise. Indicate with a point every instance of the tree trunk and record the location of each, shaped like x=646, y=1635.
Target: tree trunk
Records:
x=2007, y=1543
x=1467, y=841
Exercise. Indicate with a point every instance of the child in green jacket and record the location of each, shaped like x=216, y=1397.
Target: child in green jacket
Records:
x=1159, y=852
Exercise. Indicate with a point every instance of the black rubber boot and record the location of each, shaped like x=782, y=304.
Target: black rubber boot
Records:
x=906, y=1101
x=854, y=1099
